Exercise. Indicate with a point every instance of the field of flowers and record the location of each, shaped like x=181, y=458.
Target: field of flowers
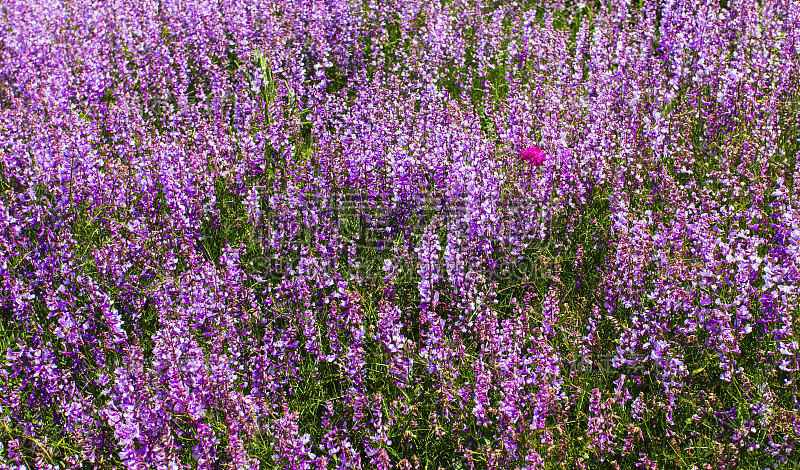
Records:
x=362, y=234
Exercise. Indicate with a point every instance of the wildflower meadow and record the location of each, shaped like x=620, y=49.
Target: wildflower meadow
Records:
x=399, y=234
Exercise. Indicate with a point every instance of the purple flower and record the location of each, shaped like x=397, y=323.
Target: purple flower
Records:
x=533, y=156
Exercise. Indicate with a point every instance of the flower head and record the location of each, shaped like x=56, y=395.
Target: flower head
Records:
x=533, y=155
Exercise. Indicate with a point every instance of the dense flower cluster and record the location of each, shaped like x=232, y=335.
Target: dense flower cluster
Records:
x=533, y=156
x=301, y=234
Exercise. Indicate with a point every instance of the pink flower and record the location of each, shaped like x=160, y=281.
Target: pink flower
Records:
x=533, y=155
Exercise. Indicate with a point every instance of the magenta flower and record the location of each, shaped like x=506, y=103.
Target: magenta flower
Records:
x=533, y=155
